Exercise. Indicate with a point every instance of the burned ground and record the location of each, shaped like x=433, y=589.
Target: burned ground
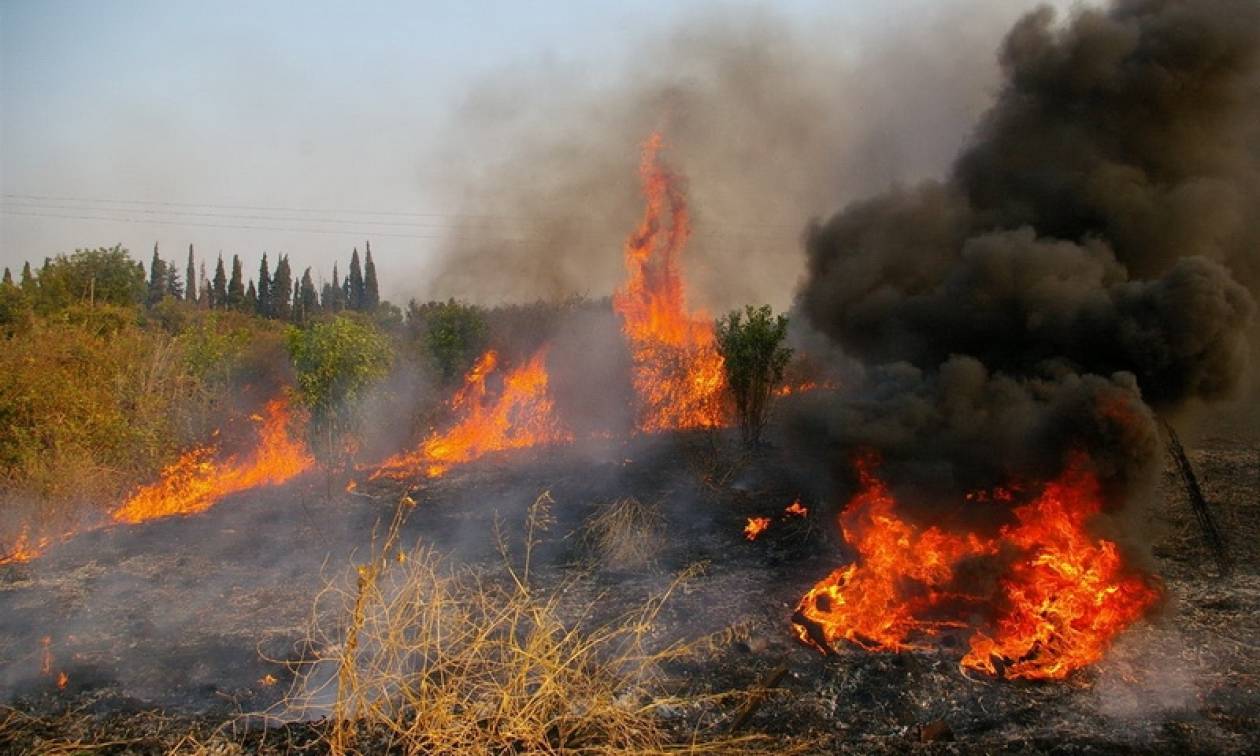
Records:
x=169, y=630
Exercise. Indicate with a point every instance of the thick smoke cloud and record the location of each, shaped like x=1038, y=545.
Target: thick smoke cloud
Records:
x=1092, y=251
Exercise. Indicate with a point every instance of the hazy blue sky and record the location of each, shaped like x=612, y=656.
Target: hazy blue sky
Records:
x=299, y=127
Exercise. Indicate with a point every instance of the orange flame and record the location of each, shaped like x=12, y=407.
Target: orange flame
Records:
x=23, y=549
x=522, y=415
x=755, y=527
x=796, y=509
x=1068, y=595
x=1065, y=598
x=196, y=481
x=678, y=373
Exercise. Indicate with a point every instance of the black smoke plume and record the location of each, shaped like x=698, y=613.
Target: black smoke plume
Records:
x=1091, y=258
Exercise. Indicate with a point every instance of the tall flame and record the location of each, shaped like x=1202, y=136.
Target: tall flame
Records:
x=678, y=374
x=1065, y=597
x=197, y=481
x=522, y=415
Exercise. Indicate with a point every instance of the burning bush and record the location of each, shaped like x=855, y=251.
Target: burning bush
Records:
x=754, y=357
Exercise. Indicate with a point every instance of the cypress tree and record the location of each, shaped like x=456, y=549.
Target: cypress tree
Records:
x=263, y=306
x=307, y=299
x=28, y=280
x=157, y=278
x=174, y=287
x=8, y=276
x=203, y=301
x=236, y=286
x=190, y=277
x=281, y=287
x=371, y=291
x=251, y=298
x=354, y=283
x=338, y=294
x=218, y=295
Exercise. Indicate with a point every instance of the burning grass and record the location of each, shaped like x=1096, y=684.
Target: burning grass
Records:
x=423, y=657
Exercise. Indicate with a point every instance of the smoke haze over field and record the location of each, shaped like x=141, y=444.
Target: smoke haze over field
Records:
x=772, y=121
x=1093, y=250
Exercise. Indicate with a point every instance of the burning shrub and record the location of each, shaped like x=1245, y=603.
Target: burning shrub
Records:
x=754, y=357
x=439, y=660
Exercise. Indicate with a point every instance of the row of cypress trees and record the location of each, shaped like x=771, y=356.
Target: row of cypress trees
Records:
x=274, y=294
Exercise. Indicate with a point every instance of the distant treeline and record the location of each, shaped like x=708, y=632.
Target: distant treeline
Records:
x=110, y=276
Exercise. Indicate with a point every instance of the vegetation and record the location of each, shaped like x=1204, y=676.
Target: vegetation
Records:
x=450, y=336
x=751, y=345
x=107, y=374
x=425, y=658
x=335, y=361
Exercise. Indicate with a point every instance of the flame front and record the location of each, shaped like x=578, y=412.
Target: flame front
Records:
x=521, y=416
x=678, y=373
x=197, y=481
x=1064, y=600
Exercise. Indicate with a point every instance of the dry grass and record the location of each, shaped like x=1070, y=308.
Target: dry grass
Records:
x=425, y=658
x=625, y=534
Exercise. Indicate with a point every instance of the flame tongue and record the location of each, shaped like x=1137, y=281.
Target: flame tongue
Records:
x=677, y=370
x=1063, y=601
x=1068, y=596
x=523, y=415
x=196, y=481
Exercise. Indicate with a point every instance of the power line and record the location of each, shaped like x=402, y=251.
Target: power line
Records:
x=794, y=228
x=362, y=229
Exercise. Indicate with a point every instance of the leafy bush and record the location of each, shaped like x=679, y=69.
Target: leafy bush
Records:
x=91, y=276
x=450, y=334
x=751, y=344
x=336, y=361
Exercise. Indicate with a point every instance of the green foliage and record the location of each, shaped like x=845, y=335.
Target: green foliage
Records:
x=89, y=404
x=336, y=361
x=96, y=276
x=451, y=335
x=15, y=311
x=751, y=344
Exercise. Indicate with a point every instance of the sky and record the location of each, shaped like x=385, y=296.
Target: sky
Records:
x=291, y=127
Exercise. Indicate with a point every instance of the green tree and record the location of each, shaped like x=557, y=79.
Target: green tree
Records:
x=452, y=334
x=174, y=288
x=236, y=286
x=251, y=298
x=754, y=356
x=218, y=295
x=157, y=278
x=335, y=362
x=306, y=304
x=371, y=290
x=263, y=306
x=91, y=276
x=28, y=283
x=190, y=277
x=8, y=277
x=281, y=288
x=15, y=311
x=354, y=283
